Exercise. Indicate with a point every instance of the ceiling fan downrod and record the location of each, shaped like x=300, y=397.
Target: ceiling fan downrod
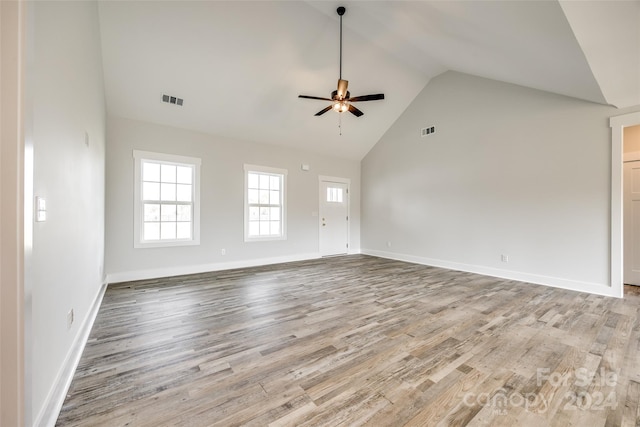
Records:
x=341, y=10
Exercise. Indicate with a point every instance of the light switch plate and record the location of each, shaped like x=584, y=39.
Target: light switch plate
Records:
x=41, y=209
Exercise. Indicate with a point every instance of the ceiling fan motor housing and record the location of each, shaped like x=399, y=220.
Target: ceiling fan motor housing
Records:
x=335, y=97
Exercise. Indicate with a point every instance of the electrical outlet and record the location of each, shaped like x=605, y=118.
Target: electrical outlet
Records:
x=70, y=319
x=223, y=251
x=504, y=258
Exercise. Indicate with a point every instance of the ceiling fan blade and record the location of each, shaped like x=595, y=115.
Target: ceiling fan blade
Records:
x=314, y=97
x=367, y=97
x=353, y=110
x=342, y=88
x=321, y=112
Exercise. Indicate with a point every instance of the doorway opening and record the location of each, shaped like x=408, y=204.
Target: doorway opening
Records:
x=631, y=206
x=618, y=124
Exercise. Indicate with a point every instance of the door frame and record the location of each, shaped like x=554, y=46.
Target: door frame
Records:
x=617, y=124
x=347, y=182
x=631, y=158
x=15, y=391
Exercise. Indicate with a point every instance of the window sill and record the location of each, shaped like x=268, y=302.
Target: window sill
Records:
x=168, y=244
x=264, y=239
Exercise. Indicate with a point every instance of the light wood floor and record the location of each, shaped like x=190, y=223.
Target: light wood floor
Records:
x=356, y=340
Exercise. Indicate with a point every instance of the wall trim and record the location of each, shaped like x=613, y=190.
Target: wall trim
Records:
x=555, y=282
x=156, y=273
x=50, y=411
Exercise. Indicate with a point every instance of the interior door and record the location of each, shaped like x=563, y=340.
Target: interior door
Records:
x=631, y=223
x=334, y=221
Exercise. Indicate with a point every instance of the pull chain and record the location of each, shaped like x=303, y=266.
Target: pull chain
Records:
x=340, y=123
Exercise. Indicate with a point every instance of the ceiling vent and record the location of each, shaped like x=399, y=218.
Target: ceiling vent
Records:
x=427, y=131
x=172, y=99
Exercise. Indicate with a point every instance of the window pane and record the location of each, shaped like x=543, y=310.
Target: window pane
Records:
x=184, y=175
x=150, y=171
x=264, y=214
x=151, y=231
x=183, y=193
x=253, y=196
x=334, y=194
x=150, y=191
x=254, y=213
x=151, y=212
x=264, y=228
x=168, y=213
x=168, y=173
x=264, y=197
x=183, y=230
x=254, y=228
x=275, y=182
x=275, y=228
x=167, y=230
x=274, y=197
x=275, y=214
x=168, y=192
x=184, y=213
x=264, y=182
x=253, y=180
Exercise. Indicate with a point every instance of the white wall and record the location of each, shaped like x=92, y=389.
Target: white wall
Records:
x=631, y=139
x=510, y=170
x=67, y=93
x=222, y=192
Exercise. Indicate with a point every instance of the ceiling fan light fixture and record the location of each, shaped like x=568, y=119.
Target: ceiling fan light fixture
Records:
x=340, y=106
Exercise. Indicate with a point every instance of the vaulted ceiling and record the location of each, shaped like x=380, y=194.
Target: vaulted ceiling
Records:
x=240, y=65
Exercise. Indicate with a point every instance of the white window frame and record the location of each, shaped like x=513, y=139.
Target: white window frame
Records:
x=138, y=217
x=283, y=207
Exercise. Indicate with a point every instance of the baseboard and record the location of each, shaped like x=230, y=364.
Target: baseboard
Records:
x=54, y=401
x=157, y=273
x=572, y=285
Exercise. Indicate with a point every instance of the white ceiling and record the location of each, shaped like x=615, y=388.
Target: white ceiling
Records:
x=239, y=65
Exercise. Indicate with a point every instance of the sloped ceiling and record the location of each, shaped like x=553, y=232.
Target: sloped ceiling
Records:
x=240, y=65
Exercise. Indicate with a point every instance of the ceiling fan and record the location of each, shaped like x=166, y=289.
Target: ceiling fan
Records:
x=341, y=98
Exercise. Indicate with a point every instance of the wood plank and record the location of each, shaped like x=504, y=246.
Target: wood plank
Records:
x=354, y=340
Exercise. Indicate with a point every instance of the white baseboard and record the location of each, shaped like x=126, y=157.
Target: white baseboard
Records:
x=156, y=273
x=50, y=411
x=572, y=285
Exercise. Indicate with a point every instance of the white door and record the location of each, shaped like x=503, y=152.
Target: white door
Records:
x=631, y=223
x=334, y=221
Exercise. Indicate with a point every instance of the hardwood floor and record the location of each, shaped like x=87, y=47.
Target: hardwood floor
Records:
x=356, y=340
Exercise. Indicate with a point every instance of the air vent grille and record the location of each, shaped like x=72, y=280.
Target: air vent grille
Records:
x=427, y=131
x=172, y=99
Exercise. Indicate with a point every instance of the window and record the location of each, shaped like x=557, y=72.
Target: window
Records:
x=167, y=206
x=264, y=203
x=334, y=195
